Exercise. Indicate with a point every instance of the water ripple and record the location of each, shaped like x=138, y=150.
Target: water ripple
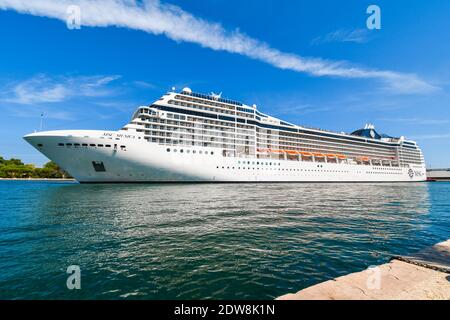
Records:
x=181, y=241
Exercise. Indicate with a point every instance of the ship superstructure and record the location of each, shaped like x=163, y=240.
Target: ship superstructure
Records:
x=187, y=136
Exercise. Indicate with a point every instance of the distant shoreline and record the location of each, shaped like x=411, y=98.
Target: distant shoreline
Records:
x=37, y=179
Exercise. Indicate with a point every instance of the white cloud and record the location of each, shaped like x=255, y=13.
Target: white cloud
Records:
x=418, y=121
x=163, y=19
x=44, y=89
x=342, y=35
x=431, y=136
x=144, y=84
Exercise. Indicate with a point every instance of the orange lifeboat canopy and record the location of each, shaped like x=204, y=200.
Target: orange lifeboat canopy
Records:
x=276, y=151
x=319, y=155
x=306, y=154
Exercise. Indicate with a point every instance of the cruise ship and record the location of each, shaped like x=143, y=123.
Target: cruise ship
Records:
x=192, y=137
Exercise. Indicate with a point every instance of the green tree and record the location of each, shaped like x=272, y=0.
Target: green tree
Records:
x=16, y=162
x=15, y=168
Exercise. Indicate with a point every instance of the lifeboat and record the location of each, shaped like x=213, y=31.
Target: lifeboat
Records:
x=276, y=151
x=292, y=152
x=306, y=154
x=331, y=155
x=319, y=155
x=341, y=156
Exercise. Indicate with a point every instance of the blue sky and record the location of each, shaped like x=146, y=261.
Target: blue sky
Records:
x=313, y=63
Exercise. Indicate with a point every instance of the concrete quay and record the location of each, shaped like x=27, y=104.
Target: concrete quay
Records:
x=422, y=276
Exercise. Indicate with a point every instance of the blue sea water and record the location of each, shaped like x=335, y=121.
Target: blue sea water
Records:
x=203, y=241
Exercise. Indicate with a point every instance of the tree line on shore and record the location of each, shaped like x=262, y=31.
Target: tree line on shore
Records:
x=15, y=168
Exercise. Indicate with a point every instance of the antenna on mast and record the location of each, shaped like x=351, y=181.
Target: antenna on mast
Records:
x=42, y=119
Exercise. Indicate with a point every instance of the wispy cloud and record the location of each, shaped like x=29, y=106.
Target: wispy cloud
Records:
x=144, y=84
x=343, y=35
x=293, y=108
x=164, y=19
x=431, y=136
x=49, y=113
x=44, y=89
x=418, y=121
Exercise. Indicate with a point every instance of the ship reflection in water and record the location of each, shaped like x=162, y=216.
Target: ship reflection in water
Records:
x=183, y=241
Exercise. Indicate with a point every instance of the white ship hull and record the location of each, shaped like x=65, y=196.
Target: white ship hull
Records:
x=143, y=161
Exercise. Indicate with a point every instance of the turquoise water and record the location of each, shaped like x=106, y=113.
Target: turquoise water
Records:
x=183, y=241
